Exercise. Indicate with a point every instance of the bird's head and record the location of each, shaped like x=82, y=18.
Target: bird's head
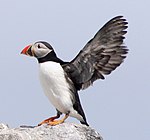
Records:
x=39, y=49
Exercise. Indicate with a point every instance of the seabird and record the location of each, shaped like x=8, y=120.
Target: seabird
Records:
x=62, y=80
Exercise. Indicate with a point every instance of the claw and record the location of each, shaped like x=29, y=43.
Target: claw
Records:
x=49, y=120
x=56, y=122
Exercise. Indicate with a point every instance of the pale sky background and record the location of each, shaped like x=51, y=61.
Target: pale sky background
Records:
x=118, y=107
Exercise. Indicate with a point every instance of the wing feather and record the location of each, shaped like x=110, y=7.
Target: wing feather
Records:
x=101, y=55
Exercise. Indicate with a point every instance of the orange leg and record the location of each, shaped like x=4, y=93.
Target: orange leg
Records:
x=56, y=122
x=49, y=120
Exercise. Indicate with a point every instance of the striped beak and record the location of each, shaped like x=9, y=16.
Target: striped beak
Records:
x=28, y=51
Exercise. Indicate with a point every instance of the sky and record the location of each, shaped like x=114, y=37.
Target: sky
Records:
x=117, y=107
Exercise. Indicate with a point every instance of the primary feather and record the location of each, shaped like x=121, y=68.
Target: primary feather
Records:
x=101, y=55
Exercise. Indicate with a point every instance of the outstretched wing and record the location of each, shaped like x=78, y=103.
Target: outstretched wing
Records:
x=101, y=55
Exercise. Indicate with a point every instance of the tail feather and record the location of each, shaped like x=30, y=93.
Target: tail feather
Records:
x=85, y=123
x=77, y=106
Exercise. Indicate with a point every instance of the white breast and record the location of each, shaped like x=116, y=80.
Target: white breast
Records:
x=55, y=85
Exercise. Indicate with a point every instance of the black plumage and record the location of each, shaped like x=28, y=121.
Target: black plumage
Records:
x=100, y=56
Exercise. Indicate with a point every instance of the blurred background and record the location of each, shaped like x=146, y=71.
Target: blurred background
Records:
x=118, y=107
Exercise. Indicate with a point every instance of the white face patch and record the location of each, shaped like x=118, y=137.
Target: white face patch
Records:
x=40, y=50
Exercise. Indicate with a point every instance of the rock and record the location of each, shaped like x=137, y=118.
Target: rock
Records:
x=65, y=131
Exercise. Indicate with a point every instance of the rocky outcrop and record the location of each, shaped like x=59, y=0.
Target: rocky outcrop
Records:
x=65, y=131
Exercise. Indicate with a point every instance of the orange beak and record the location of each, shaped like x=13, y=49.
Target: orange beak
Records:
x=27, y=51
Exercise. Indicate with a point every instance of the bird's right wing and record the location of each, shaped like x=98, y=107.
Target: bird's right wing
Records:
x=101, y=55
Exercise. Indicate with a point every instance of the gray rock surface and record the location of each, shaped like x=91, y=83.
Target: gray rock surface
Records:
x=65, y=131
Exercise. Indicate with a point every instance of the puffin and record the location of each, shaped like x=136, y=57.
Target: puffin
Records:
x=61, y=80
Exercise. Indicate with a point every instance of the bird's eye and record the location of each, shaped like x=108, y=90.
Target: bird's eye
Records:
x=39, y=46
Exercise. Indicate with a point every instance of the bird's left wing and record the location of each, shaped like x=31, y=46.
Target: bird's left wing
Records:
x=100, y=56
